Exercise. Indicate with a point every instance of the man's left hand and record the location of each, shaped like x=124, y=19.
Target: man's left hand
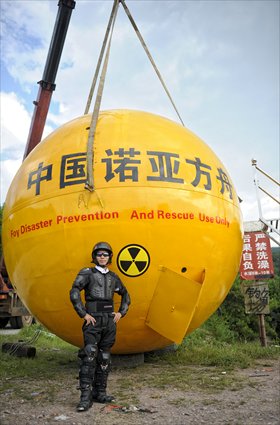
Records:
x=117, y=317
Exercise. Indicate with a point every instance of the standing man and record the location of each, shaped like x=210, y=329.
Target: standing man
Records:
x=99, y=328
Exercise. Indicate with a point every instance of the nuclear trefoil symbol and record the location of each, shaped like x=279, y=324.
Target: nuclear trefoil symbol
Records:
x=133, y=260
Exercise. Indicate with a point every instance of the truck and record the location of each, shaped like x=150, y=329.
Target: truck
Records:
x=12, y=309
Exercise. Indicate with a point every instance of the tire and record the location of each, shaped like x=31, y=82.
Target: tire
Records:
x=3, y=322
x=18, y=322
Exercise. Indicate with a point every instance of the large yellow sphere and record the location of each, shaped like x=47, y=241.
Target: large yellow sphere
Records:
x=161, y=198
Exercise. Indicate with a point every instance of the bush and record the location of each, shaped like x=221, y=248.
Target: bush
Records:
x=202, y=348
x=244, y=326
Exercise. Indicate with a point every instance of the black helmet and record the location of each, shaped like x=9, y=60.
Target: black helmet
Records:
x=101, y=246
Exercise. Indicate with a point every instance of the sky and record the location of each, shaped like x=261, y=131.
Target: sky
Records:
x=219, y=60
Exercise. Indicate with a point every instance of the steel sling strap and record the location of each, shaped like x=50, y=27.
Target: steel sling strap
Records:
x=113, y=13
x=89, y=185
x=150, y=57
x=89, y=182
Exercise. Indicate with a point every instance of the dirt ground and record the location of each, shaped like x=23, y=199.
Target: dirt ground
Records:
x=153, y=394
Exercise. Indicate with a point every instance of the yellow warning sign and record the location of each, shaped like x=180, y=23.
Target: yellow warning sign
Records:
x=133, y=260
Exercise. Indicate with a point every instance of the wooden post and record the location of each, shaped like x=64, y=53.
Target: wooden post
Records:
x=262, y=332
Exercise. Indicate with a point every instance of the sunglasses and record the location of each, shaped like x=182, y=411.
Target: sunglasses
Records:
x=102, y=254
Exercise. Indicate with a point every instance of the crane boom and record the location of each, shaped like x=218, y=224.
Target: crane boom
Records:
x=11, y=307
x=47, y=84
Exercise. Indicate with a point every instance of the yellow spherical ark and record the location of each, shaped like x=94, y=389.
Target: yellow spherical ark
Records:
x=162, y=199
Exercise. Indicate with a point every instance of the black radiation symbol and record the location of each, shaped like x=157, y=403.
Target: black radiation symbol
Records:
x=133, y=260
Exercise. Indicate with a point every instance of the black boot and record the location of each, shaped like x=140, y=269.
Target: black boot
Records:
x=86, y=398
x=86, y=375
x=100, y=379
x=99, y=388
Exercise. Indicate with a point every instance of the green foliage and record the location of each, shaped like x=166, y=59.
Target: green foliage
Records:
x=232, y=312
x=276, y=259
x=219, y=329
x=206, y=347
x=228, y=356
x=231, y=323
x=215, y=344
x=273, y=320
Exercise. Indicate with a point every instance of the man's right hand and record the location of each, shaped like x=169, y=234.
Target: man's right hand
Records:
x=89, y=319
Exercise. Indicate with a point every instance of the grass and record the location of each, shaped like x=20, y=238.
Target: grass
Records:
x=201, y=348
x=52, y=355
x=226, y=356
x=200, y=363
x=42, y=378
x=180, y=377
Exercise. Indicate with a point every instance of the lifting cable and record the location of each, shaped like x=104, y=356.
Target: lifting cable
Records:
x=89, y=181
x=89, y=185
x=150, y=57
x=115, y=5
